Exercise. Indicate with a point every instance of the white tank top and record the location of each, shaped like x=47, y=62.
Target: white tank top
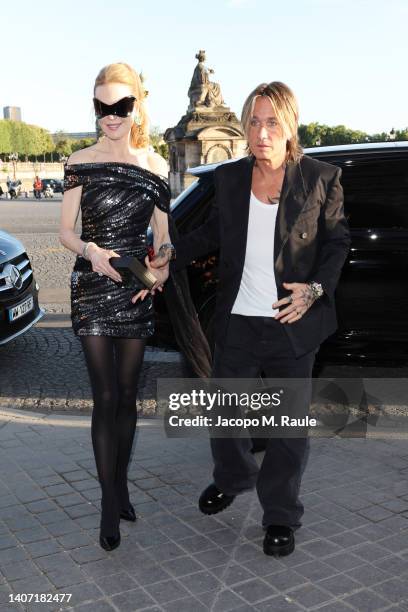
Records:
x=257, y=291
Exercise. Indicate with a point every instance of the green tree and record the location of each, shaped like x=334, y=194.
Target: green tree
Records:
x=401, y=134
x=5, y=136
x=310, y=134
x=24, y=139
x=64, y=147
x=36, y=143
x=47, y=143
x=82, y=143
x=60, y=135
x=316, y=134
x=157, y=142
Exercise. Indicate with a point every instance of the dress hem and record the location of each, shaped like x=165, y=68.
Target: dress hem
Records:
x=113, y=334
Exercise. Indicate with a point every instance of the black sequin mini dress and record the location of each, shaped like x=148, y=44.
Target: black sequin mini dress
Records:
x=117, y=203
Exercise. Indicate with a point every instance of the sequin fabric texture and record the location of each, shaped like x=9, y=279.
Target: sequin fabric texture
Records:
x=117, y=203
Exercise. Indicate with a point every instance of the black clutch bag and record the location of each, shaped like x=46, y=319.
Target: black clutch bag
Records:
x=135, y=267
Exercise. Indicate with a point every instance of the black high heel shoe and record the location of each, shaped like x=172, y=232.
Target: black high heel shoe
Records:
x=109, y=542
x=129, y=514
x=109, y=523
x=127, y=511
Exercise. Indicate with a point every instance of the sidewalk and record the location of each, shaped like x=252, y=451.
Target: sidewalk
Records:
x=351, y=554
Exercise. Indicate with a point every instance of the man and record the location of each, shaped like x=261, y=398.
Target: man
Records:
x=278, y=221
x=38, y=187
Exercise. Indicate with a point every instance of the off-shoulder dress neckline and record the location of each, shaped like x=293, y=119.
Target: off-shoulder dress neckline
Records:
x=117, y=163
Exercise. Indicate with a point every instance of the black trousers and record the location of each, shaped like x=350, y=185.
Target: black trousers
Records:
x=256, y=345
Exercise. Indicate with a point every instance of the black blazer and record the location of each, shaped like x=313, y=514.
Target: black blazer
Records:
x=311, y=241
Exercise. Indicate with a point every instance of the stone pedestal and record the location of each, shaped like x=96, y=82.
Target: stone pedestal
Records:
x=203, y=135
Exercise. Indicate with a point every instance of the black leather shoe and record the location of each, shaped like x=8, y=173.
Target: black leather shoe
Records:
x=129, y=514
x=279, y=541
x=213, y=501
x=109, y=542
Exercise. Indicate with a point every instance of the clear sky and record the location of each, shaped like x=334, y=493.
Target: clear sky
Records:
x=346, y=60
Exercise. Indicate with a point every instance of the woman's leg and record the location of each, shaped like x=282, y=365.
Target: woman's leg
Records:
x=129, y=357
x=99, y=356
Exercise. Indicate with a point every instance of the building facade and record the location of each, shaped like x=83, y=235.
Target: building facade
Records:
x=12, y=112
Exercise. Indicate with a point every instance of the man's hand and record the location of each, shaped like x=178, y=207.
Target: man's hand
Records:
x=161, y=260
x=161, y=273
x=299, y=302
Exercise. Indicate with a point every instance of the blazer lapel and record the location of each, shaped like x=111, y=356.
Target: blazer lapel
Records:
x=239, y=199
x=292, y=200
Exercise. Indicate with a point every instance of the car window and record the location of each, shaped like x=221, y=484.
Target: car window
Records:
x=376, y=194
x=198, y=207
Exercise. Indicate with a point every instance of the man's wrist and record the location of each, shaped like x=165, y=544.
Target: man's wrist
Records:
x=316, y=289
x=165, y=249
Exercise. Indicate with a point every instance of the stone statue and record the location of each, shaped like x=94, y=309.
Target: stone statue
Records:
x=202, y=91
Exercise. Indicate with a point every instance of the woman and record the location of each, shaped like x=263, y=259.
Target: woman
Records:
x=118, y=185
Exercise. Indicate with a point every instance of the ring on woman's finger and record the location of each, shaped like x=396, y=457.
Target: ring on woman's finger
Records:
x=100, y=274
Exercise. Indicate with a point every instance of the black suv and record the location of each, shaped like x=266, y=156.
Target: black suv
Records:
x=19, y=308
x=372, y=296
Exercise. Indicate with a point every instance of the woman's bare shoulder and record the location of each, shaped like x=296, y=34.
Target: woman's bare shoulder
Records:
x=157, y=164
x=83, y=156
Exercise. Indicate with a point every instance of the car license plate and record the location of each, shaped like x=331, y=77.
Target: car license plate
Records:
x=21, y=309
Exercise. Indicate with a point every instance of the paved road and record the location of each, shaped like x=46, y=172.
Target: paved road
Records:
x=351, y=552
x=36, y=223
x=28, y=215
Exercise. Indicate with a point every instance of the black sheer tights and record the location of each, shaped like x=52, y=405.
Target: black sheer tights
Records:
x=114, y=366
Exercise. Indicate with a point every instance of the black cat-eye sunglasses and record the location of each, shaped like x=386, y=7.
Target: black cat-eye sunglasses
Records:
x=121, y=108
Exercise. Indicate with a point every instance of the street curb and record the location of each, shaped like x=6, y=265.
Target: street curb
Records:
x=14, y=414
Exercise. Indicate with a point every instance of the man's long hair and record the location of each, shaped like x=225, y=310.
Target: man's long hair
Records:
x=284, y=105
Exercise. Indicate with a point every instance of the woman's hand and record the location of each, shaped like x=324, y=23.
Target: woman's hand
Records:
x=99, y=259
x=160, y=273
x=299, y=302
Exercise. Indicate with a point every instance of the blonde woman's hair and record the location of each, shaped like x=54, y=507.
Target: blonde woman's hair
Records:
x=286, y=109
x=125, y=74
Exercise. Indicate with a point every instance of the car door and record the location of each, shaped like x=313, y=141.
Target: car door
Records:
x=372, y=296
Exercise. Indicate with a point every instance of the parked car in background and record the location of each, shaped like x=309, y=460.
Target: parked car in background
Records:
x=19, y=308
x=372, y=296
x=55, y=184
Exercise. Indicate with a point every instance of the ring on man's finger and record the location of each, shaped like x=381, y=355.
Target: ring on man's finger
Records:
x=290, y=299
